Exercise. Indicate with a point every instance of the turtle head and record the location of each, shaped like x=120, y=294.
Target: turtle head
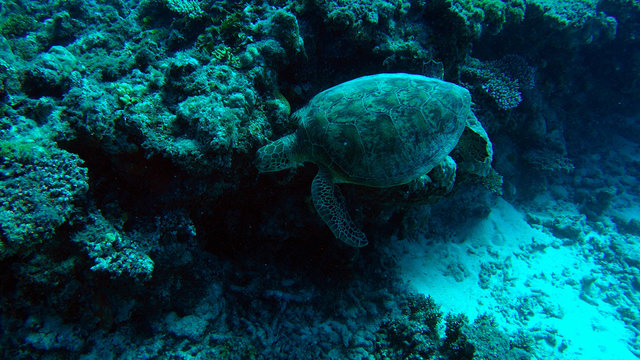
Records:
x=278, y=155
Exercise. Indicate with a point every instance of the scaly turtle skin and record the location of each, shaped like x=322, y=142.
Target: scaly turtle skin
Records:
x=380, y=130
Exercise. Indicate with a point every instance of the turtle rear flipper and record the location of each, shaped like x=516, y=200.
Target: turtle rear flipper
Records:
x=329, y=204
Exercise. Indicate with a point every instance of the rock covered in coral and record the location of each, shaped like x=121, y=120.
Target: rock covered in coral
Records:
x=113, y=251
x=50, y=73
x=581, y=16
x=354, y=14
x=41, y=189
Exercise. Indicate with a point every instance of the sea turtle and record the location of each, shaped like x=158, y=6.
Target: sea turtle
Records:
x=380, y=130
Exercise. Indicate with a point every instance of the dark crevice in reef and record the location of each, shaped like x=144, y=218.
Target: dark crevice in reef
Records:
x=133, y=181
x=274, y=221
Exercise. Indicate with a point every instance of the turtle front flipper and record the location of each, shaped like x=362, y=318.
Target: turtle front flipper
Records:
x=329, y=204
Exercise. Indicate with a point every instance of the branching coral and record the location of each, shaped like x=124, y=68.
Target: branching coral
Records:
x=414, y=334
x=189, y=8
x=501, y=80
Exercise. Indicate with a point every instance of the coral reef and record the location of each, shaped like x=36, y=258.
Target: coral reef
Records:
x=413, y=334
x=358, y=14
x=189, y=8
x=500, y=80
x=114, y=252
x=133, y=223
x=565, y=13
x=488, y=16
x=41, y=188
x=17, y=26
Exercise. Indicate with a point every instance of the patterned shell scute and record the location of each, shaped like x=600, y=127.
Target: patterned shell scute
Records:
x=383, y=130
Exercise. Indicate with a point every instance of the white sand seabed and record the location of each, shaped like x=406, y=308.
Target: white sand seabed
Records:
x=538, y=292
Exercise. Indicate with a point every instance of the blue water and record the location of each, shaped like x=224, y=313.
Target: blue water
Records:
x=134, y=223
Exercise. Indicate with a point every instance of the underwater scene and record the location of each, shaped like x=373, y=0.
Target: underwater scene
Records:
x=320, y=179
